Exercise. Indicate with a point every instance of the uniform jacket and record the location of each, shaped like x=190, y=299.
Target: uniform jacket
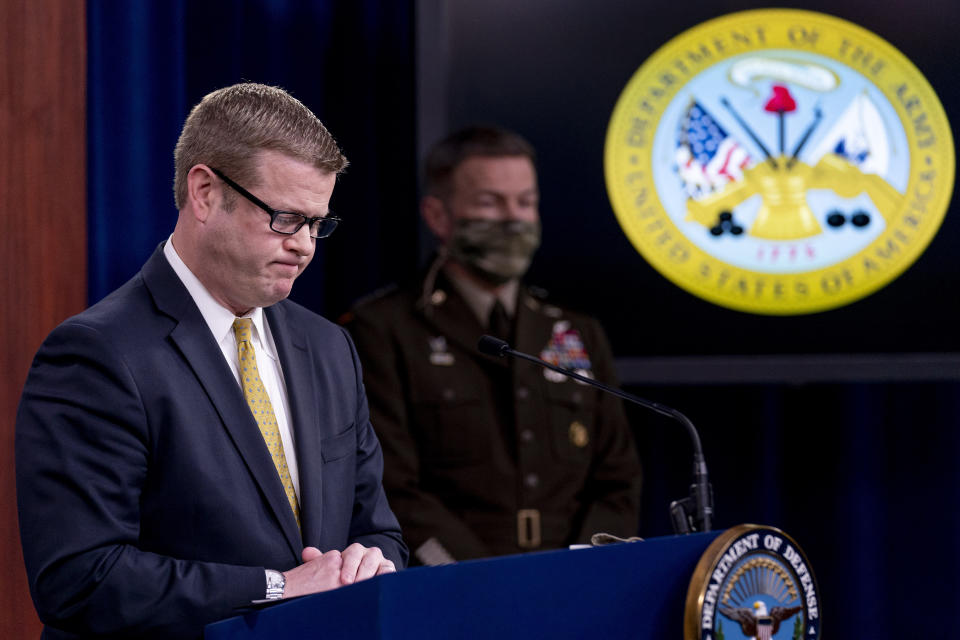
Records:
x=148, y=501
x=472, y=442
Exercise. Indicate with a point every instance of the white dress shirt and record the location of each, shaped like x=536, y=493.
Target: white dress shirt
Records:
x=220, y=321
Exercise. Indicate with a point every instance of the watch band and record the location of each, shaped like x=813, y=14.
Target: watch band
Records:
x=275, y=584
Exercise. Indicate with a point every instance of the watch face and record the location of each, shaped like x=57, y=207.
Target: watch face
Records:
x=275, y=584
x=275, y=580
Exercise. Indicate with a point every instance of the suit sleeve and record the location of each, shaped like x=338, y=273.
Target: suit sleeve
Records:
x=422, y=514
x=82, y=455
x=614, y=484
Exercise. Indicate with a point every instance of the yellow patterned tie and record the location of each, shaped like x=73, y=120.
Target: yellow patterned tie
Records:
x=261, y=407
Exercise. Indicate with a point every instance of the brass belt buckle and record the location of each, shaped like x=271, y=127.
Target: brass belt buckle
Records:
x=528, y=528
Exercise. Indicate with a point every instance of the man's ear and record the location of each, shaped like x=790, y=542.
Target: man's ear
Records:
x=202, y=196
x=437, y=218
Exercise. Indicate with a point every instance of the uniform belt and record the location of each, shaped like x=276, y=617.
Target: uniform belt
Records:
x=529, y=528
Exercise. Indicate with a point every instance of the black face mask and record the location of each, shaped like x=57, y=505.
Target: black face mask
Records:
x=496, y=251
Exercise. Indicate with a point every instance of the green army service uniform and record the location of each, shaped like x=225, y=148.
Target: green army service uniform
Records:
x=489, y=456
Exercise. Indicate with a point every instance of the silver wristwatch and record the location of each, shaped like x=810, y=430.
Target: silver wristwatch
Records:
x=275, y=584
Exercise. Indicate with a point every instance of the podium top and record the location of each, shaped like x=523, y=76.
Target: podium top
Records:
x=632, y=590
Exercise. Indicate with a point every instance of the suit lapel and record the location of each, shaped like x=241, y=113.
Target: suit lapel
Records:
x=302, y=380
x=196, y=344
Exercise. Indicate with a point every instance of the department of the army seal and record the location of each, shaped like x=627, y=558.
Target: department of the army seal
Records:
x=779, y=161
x=753, y=582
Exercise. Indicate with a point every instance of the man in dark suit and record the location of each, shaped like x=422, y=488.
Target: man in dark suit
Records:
x=487, y=456
x=194, y=441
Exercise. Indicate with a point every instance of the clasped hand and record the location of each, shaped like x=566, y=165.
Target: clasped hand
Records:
x=324, y=571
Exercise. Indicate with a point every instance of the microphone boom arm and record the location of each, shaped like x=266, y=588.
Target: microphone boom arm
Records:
x=693, y=513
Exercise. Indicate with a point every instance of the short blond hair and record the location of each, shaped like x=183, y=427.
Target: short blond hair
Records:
x=229, y=126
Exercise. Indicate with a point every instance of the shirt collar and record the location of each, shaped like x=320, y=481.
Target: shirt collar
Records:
x=218, y=318
x=481, y=300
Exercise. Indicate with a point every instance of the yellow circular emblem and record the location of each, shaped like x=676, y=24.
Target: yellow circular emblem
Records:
x=578, y=434
x=779, y=161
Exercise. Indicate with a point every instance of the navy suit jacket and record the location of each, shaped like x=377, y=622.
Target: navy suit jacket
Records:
x=148, y=501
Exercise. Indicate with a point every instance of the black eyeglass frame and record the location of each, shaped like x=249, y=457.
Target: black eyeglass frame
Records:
x=325, y=225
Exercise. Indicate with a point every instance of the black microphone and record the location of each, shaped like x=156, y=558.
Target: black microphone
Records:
x=689, y=514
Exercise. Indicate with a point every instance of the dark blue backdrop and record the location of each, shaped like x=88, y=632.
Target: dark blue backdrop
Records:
x=351, y=62
x=864, y=476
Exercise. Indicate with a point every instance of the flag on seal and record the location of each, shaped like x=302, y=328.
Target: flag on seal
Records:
x=707, y=156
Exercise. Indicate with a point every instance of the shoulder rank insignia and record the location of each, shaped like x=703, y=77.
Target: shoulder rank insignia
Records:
x=552, y=311
x=566, y=350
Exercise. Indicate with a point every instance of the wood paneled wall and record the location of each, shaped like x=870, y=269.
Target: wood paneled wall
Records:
x=43, y=234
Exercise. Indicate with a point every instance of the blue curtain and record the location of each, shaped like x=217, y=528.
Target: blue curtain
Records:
x=351, y=62
x=136, y=101
x=863, y=476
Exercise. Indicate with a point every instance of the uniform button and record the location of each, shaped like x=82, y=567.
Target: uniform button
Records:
x=449, y=394
x=531, y=480
x=577, y=397
x=522, y=393
x=526, y=435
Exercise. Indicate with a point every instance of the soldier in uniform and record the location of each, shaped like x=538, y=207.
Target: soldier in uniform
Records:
x=487, y=456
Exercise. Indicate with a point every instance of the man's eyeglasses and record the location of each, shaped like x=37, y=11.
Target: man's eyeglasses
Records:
x=286, y=222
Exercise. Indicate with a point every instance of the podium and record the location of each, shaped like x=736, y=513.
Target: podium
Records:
x=631, y=590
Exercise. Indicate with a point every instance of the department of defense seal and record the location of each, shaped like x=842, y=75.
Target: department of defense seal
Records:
x=753, y=582
x=779, y=161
